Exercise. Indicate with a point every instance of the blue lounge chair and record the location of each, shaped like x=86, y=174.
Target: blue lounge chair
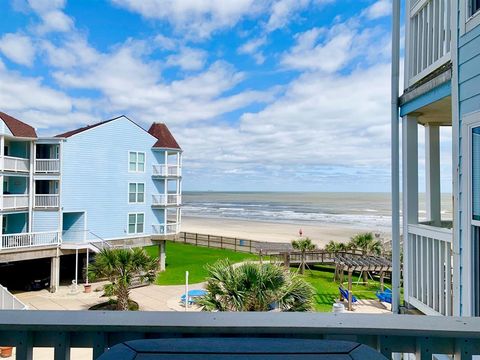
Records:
x=384, y=296
x=344, y=294
x=193, y=295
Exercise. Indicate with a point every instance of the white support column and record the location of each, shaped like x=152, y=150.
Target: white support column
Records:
x=410, y=189
x=432, y=174
x=31, y=188
x=161, y=255
x=54, y=273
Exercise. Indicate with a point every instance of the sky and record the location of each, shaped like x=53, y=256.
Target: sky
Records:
x=262, y=95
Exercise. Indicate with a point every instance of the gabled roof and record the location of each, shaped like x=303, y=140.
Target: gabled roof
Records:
x=164, y=137
x=85, y=128
x=17, y=127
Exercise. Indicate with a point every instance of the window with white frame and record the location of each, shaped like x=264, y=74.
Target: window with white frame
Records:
x=136, y=223
x=136, y=161
x=136, y=193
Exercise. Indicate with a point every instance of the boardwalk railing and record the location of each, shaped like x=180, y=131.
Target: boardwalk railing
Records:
x=429, y=38
x=220, y=242
x=97, y=330
x=430, y=269
x=8, y=301
x=47, y=166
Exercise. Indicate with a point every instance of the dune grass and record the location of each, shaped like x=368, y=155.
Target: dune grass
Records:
x=183, y=257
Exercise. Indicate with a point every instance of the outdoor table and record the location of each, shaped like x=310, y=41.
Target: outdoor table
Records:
x=240, y=348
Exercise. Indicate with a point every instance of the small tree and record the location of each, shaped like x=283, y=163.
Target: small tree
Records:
x=120, y=266
x=255, y=287
x=303, y=245
x=334, y=246
x=366, y=243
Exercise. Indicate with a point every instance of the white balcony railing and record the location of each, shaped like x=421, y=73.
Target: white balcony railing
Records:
x=430, y=269
x=167, y=170
x=47, y=166
x=169, y=229
x=12, y=202
x=16, y=164
x=8, y=301
x=100, y=330
x=47, y=201
x=166, y=200
x=430, y=37
x=26, y=240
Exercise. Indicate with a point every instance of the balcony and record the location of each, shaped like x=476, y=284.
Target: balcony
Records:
x=429, y=38
x=47, y=201
x=166, y=170
x=99, y=331
x=27, y=240
x=169, y=229
x=15, y=164
x=430, y=269
x=47, y=166
x=14, y=202
x=166, y=200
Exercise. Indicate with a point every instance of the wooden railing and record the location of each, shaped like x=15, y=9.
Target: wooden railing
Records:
x=47, y=166
x=33, y=239
x=430, y=269
x=14, y=201
x=16, y=164
x=47, y=200
x=101, y=330
x=429, y=40
x=166, y=170
x=165, y=200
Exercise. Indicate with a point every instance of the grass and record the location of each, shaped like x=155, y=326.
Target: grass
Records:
x=183, y=257
x=321, y=278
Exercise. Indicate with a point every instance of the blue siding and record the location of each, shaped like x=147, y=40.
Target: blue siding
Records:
x=95, y=176
x=74, y=227
x=45, y=221
x=469, y=71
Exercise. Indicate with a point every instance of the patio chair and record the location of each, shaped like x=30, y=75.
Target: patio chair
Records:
x=344, y=294
x=384, y=296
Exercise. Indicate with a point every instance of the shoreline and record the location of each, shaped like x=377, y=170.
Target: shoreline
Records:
x=319, y=233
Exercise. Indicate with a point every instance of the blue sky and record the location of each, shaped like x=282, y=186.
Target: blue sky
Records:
x=261, y=94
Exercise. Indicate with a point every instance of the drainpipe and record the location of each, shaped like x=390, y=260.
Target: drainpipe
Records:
x=395, y=161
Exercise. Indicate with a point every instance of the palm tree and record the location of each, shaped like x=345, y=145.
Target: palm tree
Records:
x=334, y=246
x=303, y=245
x=255, y=287
x=366, y=243
x=120, y=266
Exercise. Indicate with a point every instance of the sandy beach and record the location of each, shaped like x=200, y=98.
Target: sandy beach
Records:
x=269, y=231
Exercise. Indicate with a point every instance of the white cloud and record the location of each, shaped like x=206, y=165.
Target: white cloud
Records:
x=52, y=16
x=378, y=9
x=188, y=59
x=18, y=48
x=195, y=18
x=252, y=48
x=73, y=51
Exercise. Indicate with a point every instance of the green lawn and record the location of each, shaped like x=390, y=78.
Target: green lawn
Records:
x=183, y=257
x=321, y=278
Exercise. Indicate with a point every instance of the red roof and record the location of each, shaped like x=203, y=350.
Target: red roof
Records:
x=82, y=129
x=164, y=137
x=17, y=127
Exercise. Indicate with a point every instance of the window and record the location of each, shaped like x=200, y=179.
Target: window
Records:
x=476, y=173
x=474, y=7
x=136, y=161
x=136, y=223
x=136, y=192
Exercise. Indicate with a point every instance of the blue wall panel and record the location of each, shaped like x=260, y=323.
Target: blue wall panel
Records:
x=45, y=221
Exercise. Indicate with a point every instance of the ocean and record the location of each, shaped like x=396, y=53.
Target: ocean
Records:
x=369, y=210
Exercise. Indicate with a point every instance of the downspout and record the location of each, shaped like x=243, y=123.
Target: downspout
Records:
x=395, y=160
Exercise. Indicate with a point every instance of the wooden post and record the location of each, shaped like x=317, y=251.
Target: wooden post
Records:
x=221, y=242
x=350, y=290
x=196, y=239
x=185, y=237
x=287, y=260
x=250, y=242
x=235, y=244
x=341, y=275
x=381, y=280
x=208, y=240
